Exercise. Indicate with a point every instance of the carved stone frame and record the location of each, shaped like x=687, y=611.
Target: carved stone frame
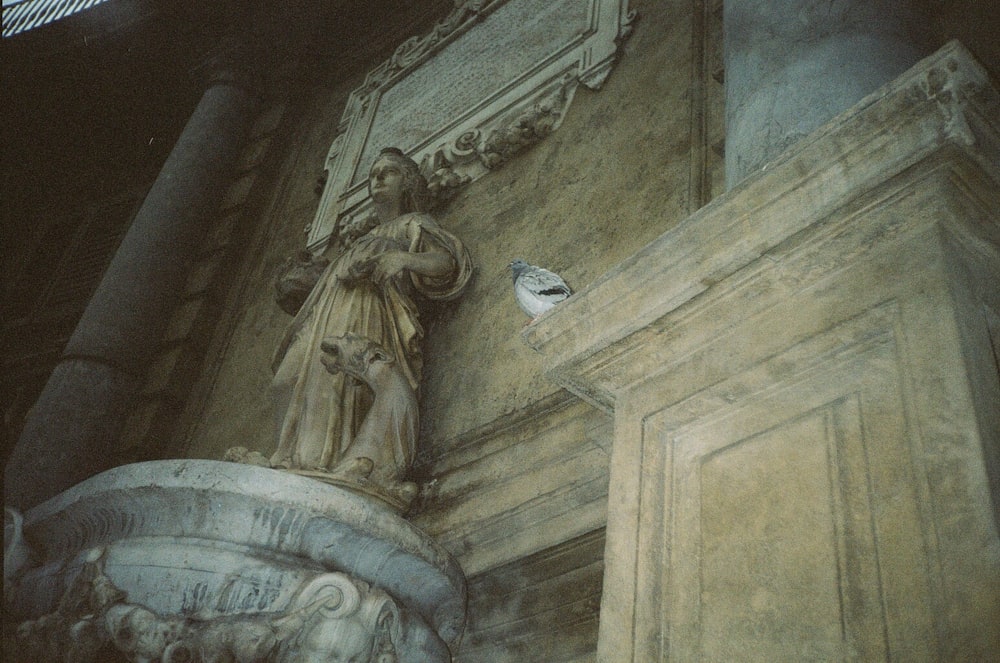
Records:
x=576, y=42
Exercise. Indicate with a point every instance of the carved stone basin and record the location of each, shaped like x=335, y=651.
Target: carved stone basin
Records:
x=207, y=540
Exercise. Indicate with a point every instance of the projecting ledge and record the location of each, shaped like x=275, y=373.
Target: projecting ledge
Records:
x=943, y=108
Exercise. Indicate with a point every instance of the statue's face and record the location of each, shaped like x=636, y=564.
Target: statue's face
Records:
x=386, y=181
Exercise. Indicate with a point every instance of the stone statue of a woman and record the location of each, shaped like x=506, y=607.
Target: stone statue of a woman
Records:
x=370, y=291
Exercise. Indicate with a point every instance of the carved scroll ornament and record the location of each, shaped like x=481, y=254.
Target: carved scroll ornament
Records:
x=333, y=618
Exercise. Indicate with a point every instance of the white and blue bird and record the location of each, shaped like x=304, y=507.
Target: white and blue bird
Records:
x=536, y=288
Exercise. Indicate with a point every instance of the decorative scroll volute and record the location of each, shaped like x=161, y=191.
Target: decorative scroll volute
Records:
x=334, y=618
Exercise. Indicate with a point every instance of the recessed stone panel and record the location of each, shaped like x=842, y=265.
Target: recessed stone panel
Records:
x=769, y=545
x=795, y=529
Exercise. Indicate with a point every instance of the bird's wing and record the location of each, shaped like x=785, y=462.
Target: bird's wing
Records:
x=543, y=282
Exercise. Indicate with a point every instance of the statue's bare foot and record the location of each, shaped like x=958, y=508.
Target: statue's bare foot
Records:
x=246, y=457
x=404, y=491
x=355, y=468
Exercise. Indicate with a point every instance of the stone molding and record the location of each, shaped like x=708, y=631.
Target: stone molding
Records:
x=513, y=67
x=488, y=516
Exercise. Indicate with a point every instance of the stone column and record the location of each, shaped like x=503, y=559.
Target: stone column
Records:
x=791, y=65
x=69, y=433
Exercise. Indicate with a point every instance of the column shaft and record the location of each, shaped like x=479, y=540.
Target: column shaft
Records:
x=70, y=432
x=791, y=65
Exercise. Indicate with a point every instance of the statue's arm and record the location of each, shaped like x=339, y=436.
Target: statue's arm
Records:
x=425, y=259
x=426, y=263
x=427, y=236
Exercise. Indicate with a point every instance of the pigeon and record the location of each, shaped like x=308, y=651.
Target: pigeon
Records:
x=537, y=289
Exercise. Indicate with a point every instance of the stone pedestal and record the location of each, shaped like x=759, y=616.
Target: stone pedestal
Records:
x=805, y=387
x=171, y=558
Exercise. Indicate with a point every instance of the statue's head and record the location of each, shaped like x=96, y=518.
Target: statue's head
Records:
x=416, y=196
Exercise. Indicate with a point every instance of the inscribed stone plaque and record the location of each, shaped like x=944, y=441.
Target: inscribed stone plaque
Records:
x=470, y=71
x=491, y=79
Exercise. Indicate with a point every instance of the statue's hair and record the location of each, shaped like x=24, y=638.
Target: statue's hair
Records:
x=416, y=195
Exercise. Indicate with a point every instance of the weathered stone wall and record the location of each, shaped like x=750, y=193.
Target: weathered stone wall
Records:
x=610, y=179
x=515, y=469
x=613, y=177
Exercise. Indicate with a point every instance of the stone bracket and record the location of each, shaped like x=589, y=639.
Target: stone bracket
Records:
x=207, y=548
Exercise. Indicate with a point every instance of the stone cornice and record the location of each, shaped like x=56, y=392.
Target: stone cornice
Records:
x=945, y=102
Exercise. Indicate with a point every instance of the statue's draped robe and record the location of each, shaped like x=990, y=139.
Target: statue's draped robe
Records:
x=319, y=412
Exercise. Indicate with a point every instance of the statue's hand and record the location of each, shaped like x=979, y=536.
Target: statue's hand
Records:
x=387, y=265
x=357, y=272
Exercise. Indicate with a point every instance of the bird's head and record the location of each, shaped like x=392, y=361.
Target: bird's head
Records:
x=518, y=266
